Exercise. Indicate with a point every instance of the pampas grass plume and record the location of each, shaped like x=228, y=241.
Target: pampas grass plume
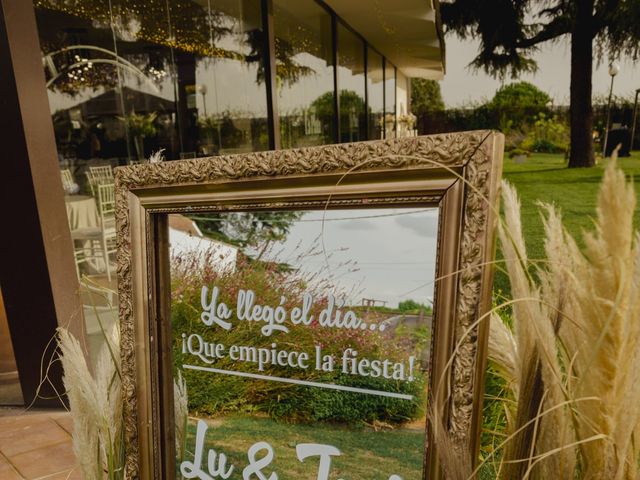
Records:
x=81, y=392
x=573, y=356
x=95, y=405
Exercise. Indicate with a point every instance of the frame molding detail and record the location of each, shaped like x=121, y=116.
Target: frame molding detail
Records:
x=457, y=172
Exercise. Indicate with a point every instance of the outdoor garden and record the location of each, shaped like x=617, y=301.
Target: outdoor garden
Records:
x=562, y=384
x=561, y=390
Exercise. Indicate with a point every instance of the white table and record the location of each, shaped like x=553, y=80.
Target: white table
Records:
x=82, y=211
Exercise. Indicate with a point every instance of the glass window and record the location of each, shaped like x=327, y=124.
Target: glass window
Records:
x=351, y=86
x=126, y=78
x=375, y=94
x=146, y=92
x=229, y=92
x=304, y=66
x=390, y=100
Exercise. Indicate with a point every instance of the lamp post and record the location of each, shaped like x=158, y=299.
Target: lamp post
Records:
x=614, y=69
x=635, y=118
x=202, y=88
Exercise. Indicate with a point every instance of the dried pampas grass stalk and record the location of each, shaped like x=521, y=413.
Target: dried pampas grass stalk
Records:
x=81, y=393
x=95, y=405
x=572, y=358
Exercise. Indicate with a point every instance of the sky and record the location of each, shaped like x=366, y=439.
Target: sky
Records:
x=462, y=85
x=392, y=251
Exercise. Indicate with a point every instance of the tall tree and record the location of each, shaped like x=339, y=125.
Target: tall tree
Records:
x=426, y=96
x=519, y=104
x=511, y=30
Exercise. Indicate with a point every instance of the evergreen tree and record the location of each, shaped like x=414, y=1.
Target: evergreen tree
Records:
x=511, y=30
x=425, y=96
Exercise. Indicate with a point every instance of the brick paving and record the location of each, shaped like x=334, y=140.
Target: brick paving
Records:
x=36, y=445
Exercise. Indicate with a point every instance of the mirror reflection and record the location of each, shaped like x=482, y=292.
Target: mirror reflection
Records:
x=301, y=342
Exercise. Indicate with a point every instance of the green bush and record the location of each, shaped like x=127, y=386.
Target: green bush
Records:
x=517, y=103
x=412, y=306
x=520, y=95
x=214, y=394
x=547, y=135
x=315, y=404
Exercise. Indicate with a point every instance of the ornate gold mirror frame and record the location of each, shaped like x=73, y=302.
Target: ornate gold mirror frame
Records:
x=459, y=173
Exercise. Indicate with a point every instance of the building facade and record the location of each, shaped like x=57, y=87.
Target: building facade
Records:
x=102, y=83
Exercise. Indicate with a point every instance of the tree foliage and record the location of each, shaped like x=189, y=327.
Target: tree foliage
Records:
x=510, y=31
x=349, y=100
x=426, y=96
x=518, y=104
x=323, y=106
x=248, y=228
x=522, y=95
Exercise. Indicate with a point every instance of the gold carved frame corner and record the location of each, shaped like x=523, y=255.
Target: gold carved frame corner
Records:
x=458, y=172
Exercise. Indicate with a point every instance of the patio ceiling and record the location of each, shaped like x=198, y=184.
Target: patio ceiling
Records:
x=407, y=32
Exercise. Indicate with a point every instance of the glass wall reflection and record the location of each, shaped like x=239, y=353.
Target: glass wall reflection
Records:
x=351, y=85
x=229, y=93
x=126, y=79
x=10, y=390
x=375, y=94
x=304, y=72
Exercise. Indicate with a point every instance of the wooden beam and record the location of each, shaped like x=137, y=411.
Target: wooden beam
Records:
x=37, y=272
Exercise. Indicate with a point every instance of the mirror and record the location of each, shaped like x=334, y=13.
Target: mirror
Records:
x=301, y=342
x=295, y=313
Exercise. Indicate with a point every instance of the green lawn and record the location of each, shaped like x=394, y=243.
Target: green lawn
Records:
x=545, y=178
x=365, y=453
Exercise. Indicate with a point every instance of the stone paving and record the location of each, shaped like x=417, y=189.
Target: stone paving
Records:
x=36, y=445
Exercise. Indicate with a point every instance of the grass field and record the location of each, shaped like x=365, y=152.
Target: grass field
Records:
x=545, y=178
x=365, y=452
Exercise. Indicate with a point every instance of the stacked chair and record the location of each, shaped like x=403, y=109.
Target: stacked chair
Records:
x=95, y=244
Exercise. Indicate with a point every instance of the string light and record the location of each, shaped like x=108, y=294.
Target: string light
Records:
x=192, y=30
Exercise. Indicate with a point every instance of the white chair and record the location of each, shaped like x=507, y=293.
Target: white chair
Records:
x=88, y=247
x=67, y=179
x=103, y=173
x=98, y=175
x=97, y=243
x=107, y=209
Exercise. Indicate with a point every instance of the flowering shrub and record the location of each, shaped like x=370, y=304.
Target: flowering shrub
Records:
x=547, y=135
x=275, y=284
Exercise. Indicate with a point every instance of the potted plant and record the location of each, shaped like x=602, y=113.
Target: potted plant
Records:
x=141, y=126
x=407, y=123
